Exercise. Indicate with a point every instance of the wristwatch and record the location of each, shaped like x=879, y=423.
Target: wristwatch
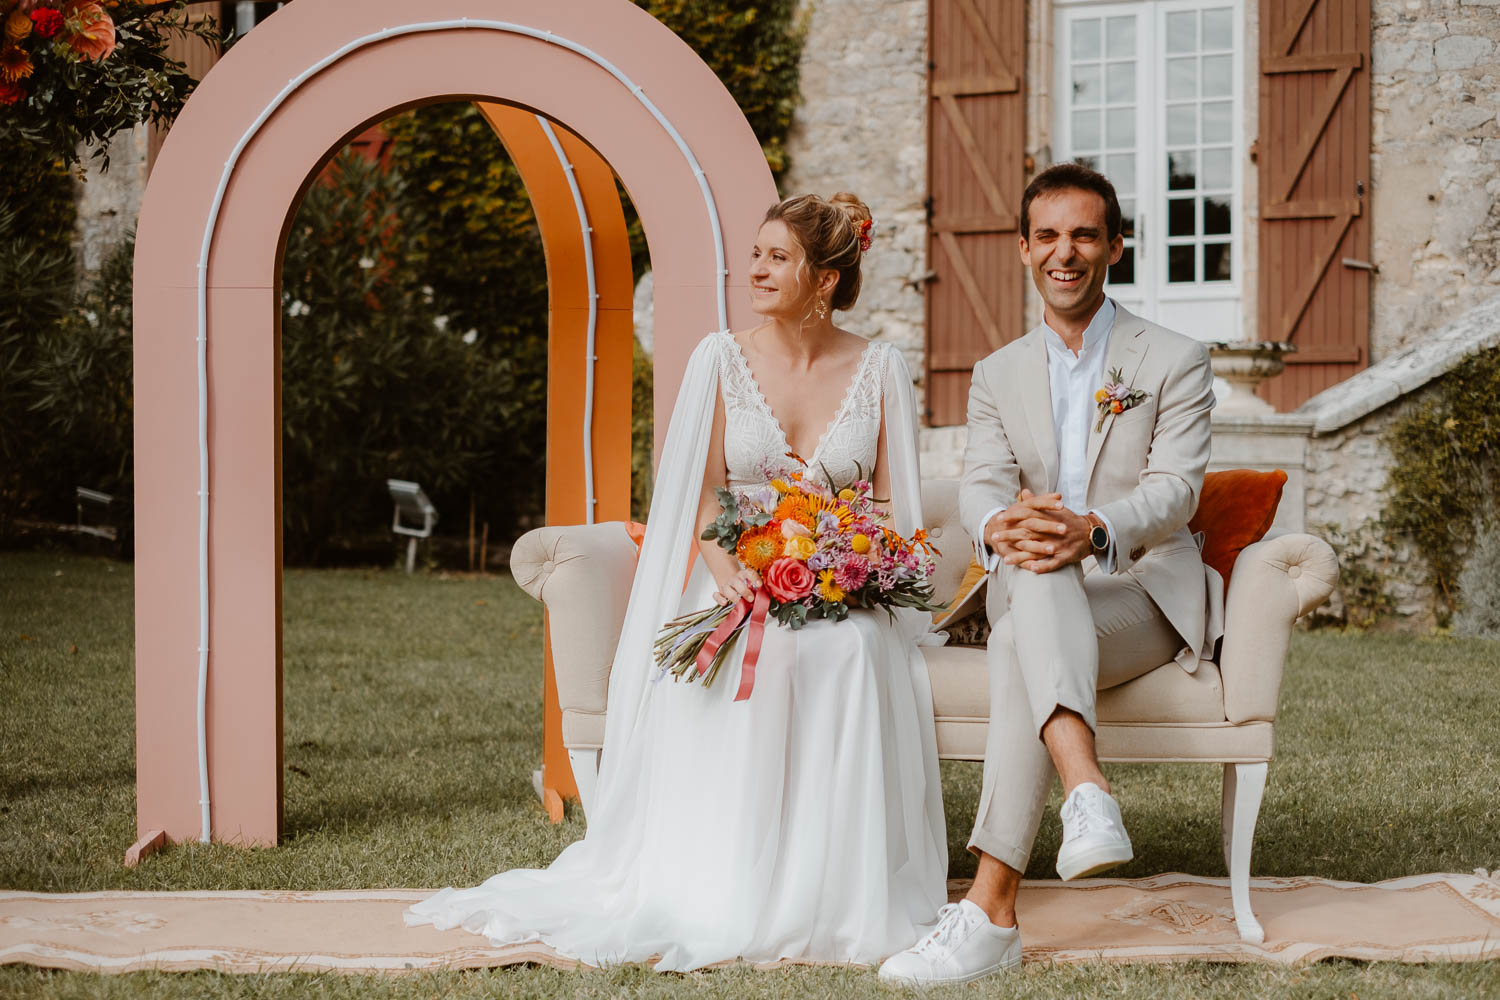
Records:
x=1098, y=533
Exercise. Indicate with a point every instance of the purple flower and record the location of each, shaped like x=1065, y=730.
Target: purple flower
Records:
x=819, y=560
x=1119, y=391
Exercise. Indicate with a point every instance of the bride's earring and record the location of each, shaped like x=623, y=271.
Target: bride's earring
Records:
x=822, y=309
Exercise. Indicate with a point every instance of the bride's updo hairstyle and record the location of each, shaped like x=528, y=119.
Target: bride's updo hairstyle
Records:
x=829, y=232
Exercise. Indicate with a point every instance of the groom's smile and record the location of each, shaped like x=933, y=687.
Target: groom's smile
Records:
x=1069, y=252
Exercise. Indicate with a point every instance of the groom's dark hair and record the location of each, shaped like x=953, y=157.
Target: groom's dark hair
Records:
x=1071, y=176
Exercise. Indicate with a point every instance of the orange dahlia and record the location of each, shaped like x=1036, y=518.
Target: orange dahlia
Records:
x=759, y=546
x=794, y=507
x=10, y=93
x=15, y=64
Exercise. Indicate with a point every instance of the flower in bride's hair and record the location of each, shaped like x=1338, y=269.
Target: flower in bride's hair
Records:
x=788, y=580
x=758, y=546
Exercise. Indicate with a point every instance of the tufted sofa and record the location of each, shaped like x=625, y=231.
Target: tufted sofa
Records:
x=1225, y=713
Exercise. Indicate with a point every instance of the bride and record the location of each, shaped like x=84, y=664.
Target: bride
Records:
x=807, y=822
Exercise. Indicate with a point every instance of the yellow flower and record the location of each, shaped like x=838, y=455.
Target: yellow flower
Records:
x=800, y=547
x=860, y=543
x=1100, y=396
x=829, y=590
x=847, y=494
x=780, y=486
x=17, y=26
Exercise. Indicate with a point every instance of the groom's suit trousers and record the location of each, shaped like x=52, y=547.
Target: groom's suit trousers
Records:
x=1065, y=636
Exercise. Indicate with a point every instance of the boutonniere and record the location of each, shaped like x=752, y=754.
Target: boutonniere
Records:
x=1117, y=397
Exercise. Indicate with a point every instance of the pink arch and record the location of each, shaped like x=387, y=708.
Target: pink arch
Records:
x=244, y=704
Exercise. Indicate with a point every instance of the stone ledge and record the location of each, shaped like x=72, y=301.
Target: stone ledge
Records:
x=1405, y=371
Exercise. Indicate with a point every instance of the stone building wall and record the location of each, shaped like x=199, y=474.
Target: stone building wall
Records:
x=863, y=128
x=109, y=202
x=1435, y=215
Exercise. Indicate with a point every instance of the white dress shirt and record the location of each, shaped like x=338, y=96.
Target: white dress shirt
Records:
x=1073, y=380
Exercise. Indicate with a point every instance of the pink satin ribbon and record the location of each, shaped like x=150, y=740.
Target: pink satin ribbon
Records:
x=754, y=636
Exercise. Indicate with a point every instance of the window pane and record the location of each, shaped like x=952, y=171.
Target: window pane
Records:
x=1217, y=169
x=1120, y=169
x=1182, y=31
x=1216, y=213
x=1218, y=29
x=1182, y=125
x=1086, y=130
x=1121, y=37
x=1216, y=262
x=1182, y=170
x=1215, y=121
x=1120, y=128
x=1182, y=78
x=1085, y=39
x=1181, y=264
x=1119, y=82
x=1122, y=271
x=1217, y=76
x=1127, y=217
x=1182, y=217
x=1086, y=89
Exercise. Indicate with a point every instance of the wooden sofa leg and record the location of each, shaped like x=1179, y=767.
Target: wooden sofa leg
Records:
x=586, y=775
x=1244, y=786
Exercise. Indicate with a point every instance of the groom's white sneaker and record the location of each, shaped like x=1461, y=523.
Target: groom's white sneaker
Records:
x=1093, y=833
x=963, y=946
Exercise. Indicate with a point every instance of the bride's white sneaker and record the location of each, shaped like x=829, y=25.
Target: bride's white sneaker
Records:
x=963, y=946
x=1093, y=833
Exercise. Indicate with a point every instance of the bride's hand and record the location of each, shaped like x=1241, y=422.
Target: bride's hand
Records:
x=740, y=585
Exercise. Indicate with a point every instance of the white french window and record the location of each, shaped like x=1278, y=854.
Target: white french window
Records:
x=1148, y=92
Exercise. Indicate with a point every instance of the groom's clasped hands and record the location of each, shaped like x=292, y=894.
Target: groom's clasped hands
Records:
x=1038, y=533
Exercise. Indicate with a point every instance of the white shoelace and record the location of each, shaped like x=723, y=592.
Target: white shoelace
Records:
x=952, y=927
x=1085, y=813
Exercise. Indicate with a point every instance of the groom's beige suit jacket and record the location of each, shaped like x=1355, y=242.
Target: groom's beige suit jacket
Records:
x=1145, y=465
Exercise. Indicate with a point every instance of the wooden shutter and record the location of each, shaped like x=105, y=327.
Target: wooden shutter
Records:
x=976, y=134
x=1314, y=157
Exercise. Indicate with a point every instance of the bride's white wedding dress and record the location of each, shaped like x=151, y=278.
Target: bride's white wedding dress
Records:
x=805, y=823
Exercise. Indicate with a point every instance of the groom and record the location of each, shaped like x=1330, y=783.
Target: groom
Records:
x=1088, y=440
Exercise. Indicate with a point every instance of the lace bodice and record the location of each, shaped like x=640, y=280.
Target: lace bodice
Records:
x=755, y=441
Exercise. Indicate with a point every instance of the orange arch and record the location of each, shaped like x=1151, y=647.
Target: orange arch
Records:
x=363, y=85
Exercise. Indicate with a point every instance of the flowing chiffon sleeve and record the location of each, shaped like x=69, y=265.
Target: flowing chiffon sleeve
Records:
x=665, y=553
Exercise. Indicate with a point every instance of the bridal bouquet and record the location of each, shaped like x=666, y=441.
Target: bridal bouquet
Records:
x=819, y=551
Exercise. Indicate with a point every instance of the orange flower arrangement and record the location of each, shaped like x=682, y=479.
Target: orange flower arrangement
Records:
x=794, y=507
x=94, y=31
x=759, y=547
x=15, y=65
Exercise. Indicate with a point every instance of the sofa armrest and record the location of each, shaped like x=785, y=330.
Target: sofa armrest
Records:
x=582, y=574
x=1275, y=582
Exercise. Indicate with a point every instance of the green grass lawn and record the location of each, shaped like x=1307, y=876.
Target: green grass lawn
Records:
x=413, y=719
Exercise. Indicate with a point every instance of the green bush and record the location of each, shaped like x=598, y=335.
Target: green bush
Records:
x=378, y=380
x=1445, y=463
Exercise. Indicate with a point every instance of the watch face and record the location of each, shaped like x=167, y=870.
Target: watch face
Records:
x=1098, y=537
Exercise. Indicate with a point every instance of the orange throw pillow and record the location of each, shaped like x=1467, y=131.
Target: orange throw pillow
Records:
x=1235, y=510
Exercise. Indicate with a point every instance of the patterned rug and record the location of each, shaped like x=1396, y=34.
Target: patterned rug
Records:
x=1163, y=919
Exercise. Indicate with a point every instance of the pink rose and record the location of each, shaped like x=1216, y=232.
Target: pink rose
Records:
x=788, y=579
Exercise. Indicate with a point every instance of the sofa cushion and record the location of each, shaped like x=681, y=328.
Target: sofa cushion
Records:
x=960, y=690
x=1235, y=509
